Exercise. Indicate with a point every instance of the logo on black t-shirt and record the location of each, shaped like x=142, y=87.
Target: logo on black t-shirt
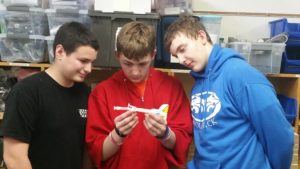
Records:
x=82, y=112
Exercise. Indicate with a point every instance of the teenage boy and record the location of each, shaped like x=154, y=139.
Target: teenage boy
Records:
x=127, y=139
x=238, y=120
x=45, y=114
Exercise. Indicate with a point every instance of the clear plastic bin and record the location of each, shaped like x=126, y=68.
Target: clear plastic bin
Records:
x=173, y=7
x=22, y=49
x=26, y=21
x=244, y=48
x=56, y=18
x=68, y=4
x=267, y=57
x=28, y=3
x=50, y=40
x=212, y=25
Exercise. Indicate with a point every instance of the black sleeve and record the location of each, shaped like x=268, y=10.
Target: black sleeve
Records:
x=20, y=114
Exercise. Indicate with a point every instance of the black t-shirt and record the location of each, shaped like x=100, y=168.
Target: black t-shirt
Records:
x=50, y=118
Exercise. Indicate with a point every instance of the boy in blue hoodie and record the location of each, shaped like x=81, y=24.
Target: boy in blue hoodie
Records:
x=238, y=120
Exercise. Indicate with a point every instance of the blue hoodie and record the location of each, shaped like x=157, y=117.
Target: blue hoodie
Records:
x=238, y=120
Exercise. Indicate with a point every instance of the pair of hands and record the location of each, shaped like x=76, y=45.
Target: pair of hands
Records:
x=155, y=124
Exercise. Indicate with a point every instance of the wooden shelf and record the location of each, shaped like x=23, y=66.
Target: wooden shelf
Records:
x=284, y=75
x=42, y=66
x=289, y=85
x=1, y=115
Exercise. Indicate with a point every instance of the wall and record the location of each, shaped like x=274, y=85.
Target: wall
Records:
x=248, y=19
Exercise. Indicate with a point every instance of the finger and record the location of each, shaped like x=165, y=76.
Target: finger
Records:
x=129, y=130
x=124, y=121
x=123, y=116
x=153, y=131
x=154, y=122
x=129, y=125
x=158, y=118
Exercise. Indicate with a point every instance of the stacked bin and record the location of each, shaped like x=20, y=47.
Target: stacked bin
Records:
x=266, y=57
x=63, y=11
x=289, y=106
x=23, y=39
x=291, y=56
x=164, y=59
x=244, y=48
x=106, y=25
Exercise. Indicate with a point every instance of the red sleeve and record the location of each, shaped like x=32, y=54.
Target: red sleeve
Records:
x=180, y=121
x=99, y=124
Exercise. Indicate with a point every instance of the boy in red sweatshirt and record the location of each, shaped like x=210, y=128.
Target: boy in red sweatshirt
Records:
x=131, y=139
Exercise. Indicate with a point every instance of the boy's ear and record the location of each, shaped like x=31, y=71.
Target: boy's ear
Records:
x=153, y=54
x=59, y=52
x=117, y=54
x=202, y=35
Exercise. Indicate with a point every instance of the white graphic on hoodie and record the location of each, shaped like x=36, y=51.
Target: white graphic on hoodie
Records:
x=82, y=112
x=205, y=106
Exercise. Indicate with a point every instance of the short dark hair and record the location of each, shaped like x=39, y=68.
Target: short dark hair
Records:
x=72, y=35
x=186, y=24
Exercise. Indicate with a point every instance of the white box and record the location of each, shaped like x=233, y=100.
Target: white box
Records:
x=132, y=6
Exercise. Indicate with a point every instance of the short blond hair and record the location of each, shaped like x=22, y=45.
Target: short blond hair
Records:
x=136, y=40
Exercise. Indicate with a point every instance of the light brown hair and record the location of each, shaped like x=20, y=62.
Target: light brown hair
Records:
x=136, y=40
x=187, y=25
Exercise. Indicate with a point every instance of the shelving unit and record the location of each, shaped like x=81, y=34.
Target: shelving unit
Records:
x=289, y=85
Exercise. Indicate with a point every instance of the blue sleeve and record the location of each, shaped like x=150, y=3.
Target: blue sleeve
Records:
x=261, y=107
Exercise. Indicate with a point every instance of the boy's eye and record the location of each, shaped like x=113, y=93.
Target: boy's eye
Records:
x=84, y=61
x=143, y=64
x=127, y=64
x=181, y=50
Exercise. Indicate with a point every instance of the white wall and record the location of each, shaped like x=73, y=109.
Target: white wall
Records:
x=264, y=6
x=249, y=27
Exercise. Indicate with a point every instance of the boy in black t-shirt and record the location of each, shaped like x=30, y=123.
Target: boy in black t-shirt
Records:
x=45, y=114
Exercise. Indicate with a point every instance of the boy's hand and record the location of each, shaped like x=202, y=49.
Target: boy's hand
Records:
x=155, y=124
x=126, y=122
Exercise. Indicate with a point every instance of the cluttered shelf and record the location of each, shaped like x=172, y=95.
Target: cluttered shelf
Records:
x=288, y=85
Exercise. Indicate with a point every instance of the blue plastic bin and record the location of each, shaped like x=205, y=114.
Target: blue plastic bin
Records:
x=290, y=62
x=289, y=106
x=163, y=57
x=282, y=25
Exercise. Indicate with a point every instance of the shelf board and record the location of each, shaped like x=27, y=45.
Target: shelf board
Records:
x=283, y=75
x=11, y=64
x=1, y=115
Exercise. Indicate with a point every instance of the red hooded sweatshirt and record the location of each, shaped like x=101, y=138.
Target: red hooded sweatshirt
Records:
x=140, y=150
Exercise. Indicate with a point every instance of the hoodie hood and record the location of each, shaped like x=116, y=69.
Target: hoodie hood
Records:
x=217, y=58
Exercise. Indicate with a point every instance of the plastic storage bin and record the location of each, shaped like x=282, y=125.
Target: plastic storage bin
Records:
x=212, y=25
x=289, y=106
x=22, y=49
x=26, y=21
x=266, y=57
x=282, y=25
x=57, y=17
x=291, y=59
x=244, y=48
x=29, y=3
x=173, y=7
x=68, y=4
x=50, y=40
x=105, y=27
